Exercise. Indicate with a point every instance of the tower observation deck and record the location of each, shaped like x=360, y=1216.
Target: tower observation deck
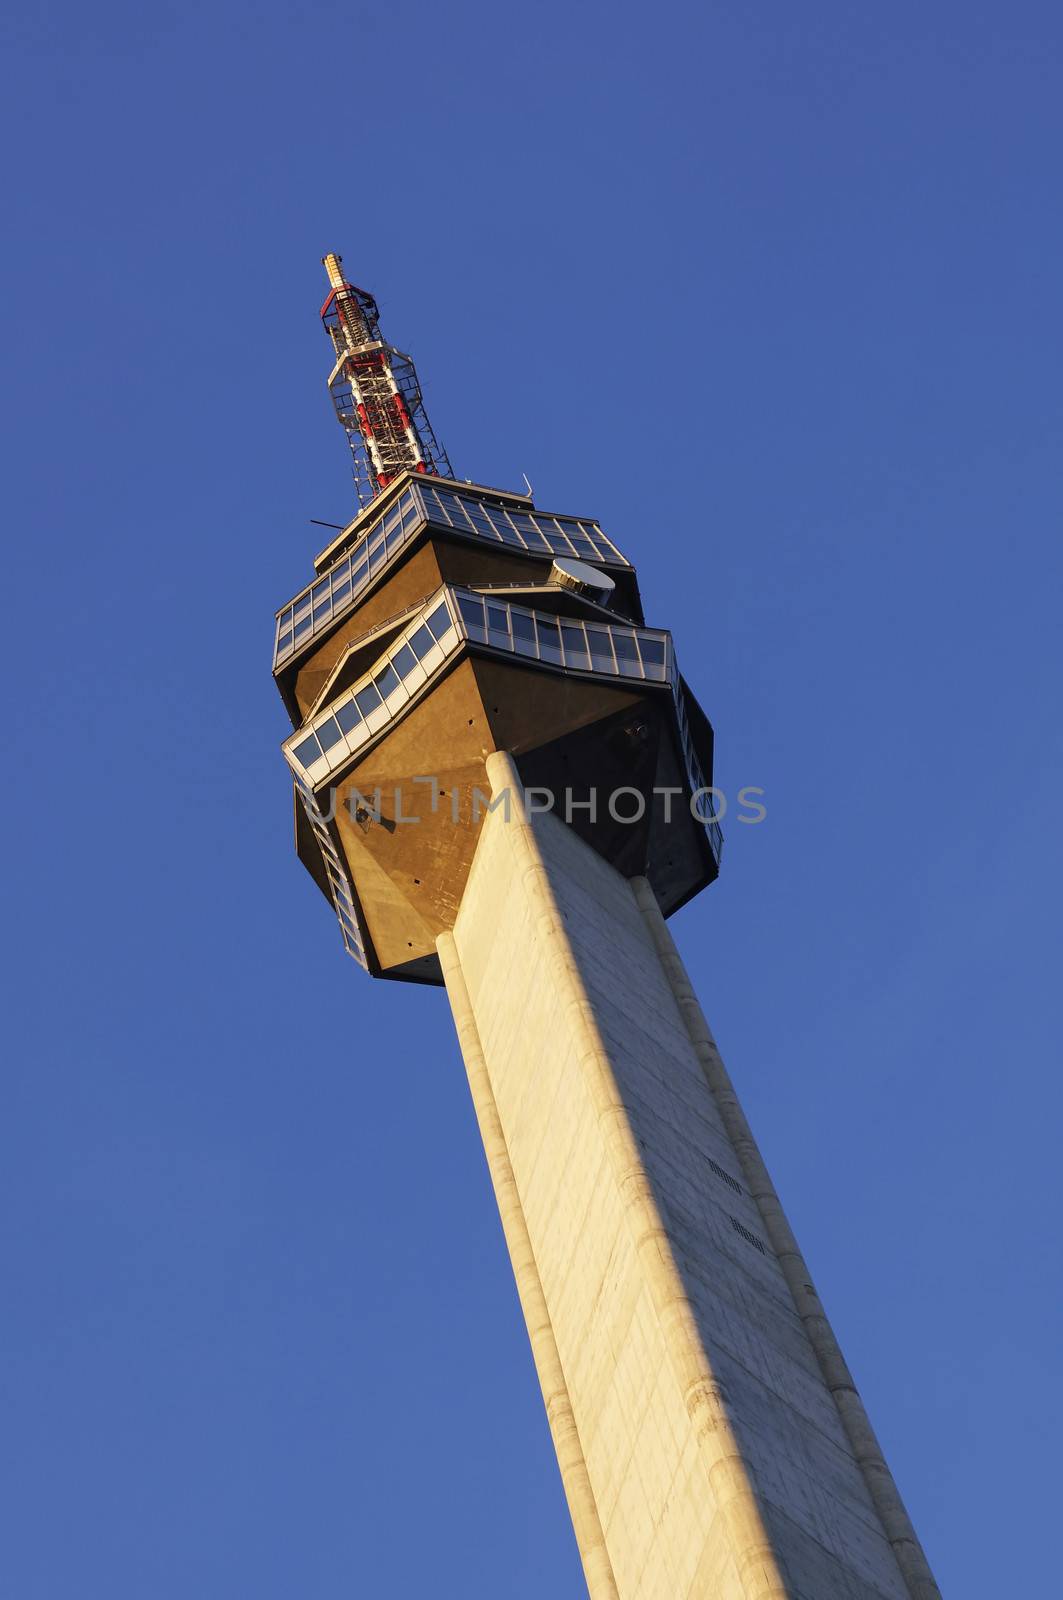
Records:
x=502, y=783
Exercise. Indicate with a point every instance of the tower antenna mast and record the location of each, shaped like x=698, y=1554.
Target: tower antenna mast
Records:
x=375, y=391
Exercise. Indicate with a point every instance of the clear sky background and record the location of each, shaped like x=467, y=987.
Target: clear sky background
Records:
x=772, y=291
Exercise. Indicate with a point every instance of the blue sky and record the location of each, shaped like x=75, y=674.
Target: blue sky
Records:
x=773, y=293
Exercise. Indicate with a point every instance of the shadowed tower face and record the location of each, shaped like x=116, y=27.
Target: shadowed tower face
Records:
x=501, y=785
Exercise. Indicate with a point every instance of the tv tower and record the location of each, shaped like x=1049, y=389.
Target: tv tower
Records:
x=501, y=784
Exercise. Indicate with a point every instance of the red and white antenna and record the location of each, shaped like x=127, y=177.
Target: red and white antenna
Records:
x=375, y=391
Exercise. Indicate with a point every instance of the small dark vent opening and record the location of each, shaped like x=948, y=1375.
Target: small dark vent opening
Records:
x=750, y=1238
x=732, y=1183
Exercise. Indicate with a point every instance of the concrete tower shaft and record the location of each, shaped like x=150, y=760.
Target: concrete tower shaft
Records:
x=709, y=1434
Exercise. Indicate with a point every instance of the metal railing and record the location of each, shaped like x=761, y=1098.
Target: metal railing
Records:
x=339, y=883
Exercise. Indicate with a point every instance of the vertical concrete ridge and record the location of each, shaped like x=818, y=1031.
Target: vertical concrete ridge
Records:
x=884, y=1493
x=756, y=1561
x=597, y=1568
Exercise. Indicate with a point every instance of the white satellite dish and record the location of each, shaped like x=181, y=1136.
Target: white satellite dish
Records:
x=577, y=576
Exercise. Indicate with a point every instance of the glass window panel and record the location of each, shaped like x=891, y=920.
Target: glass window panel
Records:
x=321, y=612
x=523, y=625
x=285, y=640
x=652, y=652
x=472, y=610
x=368, y=699
x=421, y=642
x=320, y=591
x=359, y=570
x=328, y=733
x=549, y=634
x=307, y=752
x=601, y=649
x=439, y=621
x=575, y=642
x=387, y=681
x=534, y=535
x=340, y=590
x=348, y=716
x=436, y=506
x=403, y=660
x=302, y=627
x=498, y=618
x=625, y=645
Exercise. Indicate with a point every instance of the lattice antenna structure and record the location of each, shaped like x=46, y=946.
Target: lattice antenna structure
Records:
x=375, y=391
